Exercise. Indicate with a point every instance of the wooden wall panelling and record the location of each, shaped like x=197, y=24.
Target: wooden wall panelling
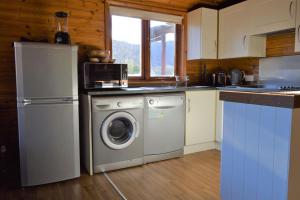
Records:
x=195, y=67
x=248, y=65
x=34, y=19
x=281, y=44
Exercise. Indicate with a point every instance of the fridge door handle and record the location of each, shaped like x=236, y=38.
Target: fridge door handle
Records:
x=26, y=102
x=68, y=99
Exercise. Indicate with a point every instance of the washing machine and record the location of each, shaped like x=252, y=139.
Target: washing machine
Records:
x=117, y=132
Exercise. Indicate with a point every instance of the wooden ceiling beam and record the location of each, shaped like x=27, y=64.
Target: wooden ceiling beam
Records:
x=148, y=6
x=178, y=7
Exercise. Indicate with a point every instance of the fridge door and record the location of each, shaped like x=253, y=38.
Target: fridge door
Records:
x=46, y=70
x=48, y=142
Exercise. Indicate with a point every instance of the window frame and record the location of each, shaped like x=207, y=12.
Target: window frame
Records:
x=145, y=60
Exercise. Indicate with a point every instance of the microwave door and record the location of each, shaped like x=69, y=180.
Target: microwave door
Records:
x=104, y=75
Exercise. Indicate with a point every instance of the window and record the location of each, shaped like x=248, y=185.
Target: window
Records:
x=127, y=43
x=147, y=46
x=162, y=49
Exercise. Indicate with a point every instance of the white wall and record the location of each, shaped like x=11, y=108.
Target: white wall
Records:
x=284, y=69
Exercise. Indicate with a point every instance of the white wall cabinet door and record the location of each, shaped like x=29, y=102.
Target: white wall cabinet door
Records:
x=200, y=116
x=234, y=40
x=219, y=118
x=272, y=15
x=202, y=25
x=297, y=39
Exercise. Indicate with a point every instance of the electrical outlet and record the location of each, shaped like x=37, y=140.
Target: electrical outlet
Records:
x=3, y=148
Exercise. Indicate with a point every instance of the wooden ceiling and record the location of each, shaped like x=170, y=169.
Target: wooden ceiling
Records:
x=189, y=4
x=186, y=5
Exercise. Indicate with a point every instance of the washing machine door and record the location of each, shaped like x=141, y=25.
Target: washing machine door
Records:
x=119, y=130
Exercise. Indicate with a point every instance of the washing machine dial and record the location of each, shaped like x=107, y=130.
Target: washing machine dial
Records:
x=151, y=101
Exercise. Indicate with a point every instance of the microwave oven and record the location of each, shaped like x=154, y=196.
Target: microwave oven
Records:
x=104, y=75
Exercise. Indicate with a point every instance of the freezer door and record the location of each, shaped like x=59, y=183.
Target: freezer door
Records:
x=46, y=70
x=49, y=142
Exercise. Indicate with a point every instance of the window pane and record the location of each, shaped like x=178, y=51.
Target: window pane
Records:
x=126, y=43
x=162, y=53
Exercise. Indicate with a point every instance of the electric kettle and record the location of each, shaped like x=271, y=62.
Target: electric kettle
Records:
x=237, y=76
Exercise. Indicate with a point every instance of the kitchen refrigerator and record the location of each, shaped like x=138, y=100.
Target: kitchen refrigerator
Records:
x=47, y=102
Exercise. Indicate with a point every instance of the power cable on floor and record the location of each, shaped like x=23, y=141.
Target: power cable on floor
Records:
x=114, y=186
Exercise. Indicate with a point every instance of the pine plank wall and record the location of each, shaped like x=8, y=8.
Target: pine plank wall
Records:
x=34, y=19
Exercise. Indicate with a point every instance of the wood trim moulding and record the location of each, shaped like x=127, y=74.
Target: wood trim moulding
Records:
x=107, y=23
x=265, y=98
x=184, y=40
x=194, y=148
x=148, y=6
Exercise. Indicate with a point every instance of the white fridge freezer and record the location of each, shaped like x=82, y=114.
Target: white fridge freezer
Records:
x=47, y=101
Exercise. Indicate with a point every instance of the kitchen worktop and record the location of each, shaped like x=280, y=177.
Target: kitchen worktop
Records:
x=145, y=90
x=275, y=98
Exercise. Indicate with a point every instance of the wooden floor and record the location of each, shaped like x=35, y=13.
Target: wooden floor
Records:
x=194, y=177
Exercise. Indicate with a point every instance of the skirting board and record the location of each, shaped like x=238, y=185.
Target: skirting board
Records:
x=199, y=147
x=218, y=146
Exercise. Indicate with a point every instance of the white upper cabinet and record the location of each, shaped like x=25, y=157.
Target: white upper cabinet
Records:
x=202, y=33
x=271, y=15
x=234, y=40
x=297, y=40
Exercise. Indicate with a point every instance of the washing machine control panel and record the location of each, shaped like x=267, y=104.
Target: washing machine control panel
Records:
x=117, y=103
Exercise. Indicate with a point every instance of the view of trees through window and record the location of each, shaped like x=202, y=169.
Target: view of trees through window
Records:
x=162, y=59
x=127, y=43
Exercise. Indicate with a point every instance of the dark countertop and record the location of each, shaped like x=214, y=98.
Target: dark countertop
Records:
x=284, y=99
x=145, y=90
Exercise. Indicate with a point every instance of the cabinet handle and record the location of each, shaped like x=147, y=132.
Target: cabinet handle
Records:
x=216, y=44
x=290, y=9
x=189, y=105
x=298, y=32
x=244, y=40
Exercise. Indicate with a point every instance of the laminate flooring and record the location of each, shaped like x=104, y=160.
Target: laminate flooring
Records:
x=193, y=177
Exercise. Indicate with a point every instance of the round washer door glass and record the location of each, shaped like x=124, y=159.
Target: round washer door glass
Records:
x=119, y=130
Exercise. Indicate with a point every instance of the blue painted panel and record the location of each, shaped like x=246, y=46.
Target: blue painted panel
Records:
x=282, y=137
x=255, y=152
x=266, y=153
x=226, y=153
x=238, y=145
x=251, y=151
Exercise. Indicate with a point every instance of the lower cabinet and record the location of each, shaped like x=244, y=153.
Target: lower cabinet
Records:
x=200, y=117
x=260, y=153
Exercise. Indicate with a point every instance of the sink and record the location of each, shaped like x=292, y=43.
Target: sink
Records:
x=133, y=89
x=198, y=86
x=159, y=88
x=150, y=88
x=153, y=88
